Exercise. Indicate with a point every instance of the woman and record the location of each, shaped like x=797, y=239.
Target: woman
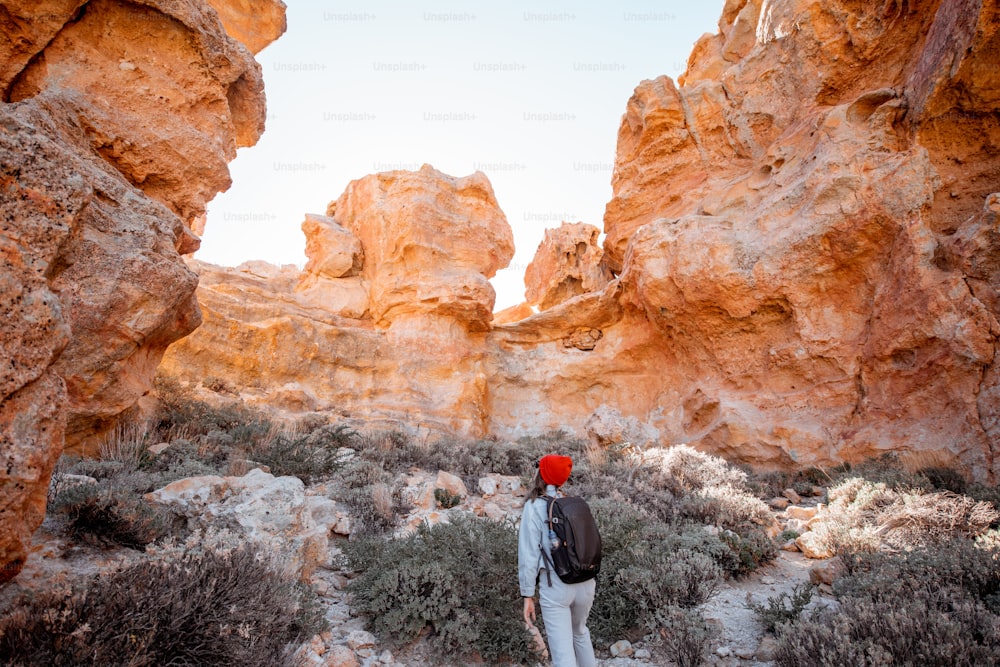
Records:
x=565, y=607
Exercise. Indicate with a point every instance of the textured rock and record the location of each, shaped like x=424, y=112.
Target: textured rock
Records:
x=116, y=124
x=431, y=242
x=333, y=251
x=803, y=236
x=566, y=264
x=257, y=506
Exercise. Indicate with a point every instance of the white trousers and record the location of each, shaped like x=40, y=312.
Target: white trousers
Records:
x=565, y=608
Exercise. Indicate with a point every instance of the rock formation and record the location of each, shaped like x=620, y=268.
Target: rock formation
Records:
x=117, y=121
x=799, y=264
x=567, y=264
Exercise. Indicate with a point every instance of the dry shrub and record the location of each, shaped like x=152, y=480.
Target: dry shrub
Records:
x=934, y=517
x=199, y=609
x=864, y=515
x=691, y=470
x=127, y=443
x=737, y=507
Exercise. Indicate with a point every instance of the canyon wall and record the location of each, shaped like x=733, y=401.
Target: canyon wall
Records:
x=117, y=122
x=799, y=265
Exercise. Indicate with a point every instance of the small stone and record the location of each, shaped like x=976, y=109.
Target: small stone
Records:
x=340, y=656
x=621, y=649
x=724, y=651
x=642, y=654
x=801, y=513
x=817, y=491
x=126, y=66
x=451, y=484
x=360, y=639
x=767, y=581
x=159, y=448
x=386, y=657
x=797, y=525
x=826, y=572
x=811, y=545
x=744, y=653
x=790, y=545
x=791, y=495
x=321, y=587
x=778, y=503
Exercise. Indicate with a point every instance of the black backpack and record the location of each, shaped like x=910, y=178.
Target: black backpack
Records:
x=576, y=548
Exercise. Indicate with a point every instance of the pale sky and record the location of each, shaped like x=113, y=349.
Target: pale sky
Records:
x=529, y=92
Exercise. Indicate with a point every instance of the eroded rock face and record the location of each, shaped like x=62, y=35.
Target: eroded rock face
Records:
x=117, y=121
x=431, y=242
x=801, y=245
x=566, y=264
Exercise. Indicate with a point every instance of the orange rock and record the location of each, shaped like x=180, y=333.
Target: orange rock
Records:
x=119, y=121
x=566, y=264
x=431, y=242
x=255, y=23
x=804, y=239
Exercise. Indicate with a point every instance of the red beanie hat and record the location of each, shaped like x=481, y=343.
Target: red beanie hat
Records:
x=555, y=469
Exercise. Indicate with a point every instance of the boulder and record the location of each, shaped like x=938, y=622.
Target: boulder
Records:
x=258, y=506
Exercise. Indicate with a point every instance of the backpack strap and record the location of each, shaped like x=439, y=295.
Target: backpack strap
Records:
x=545, y=555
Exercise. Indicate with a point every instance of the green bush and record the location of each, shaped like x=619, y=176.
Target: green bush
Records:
x=647, y=567
x=308, y=457
x=200, y=609
x=750, y=550
x=933, y=606
x=935, y=627
x=444, y=578
x=783, y=608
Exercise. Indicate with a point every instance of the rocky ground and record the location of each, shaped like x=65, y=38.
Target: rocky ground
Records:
x=739, y=639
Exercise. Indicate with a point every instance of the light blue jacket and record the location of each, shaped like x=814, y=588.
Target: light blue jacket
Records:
x=533, y=529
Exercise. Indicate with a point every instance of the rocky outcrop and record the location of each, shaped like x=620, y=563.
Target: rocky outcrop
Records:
x=798, y=266
x=566, y=264
x=117, y=121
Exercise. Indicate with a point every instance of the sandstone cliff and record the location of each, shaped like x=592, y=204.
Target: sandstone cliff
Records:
x=117, y=121
x=799, y=264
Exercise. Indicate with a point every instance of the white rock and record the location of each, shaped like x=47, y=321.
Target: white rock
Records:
x=492, y=484
x=642, y=654
x=621, y=649
x=260, y=507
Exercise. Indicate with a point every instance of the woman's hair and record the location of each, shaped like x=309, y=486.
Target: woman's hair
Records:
x=538, y=485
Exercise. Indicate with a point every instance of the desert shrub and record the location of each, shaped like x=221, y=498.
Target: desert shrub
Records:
x=642, y=492
x=750, y=549
x=180, y=412
x=961, y=564
x=199, y=609
x=108, y=512
x=772, y=483
x=989, y=494
x=690, y=470
x=888, y=471
x=782, y=608
x=944, y=478
x=444, y=578
x=685, y=635
x=864, y=515
x=936, y=627
x=933, y=605
x=445, y=499
x=306, y=456
x=647, y=567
